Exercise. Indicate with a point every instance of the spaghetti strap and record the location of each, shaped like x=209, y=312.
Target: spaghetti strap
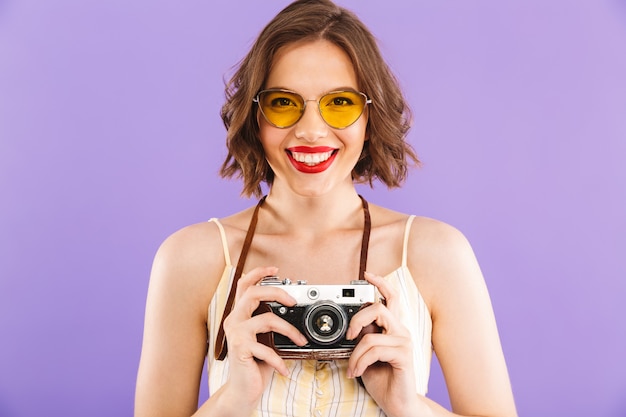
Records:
x=224, y=242
x=405, y=245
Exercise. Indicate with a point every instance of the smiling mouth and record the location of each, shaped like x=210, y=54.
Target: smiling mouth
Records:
x=311, y=160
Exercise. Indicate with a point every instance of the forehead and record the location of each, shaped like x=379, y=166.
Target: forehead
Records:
x=312, y=68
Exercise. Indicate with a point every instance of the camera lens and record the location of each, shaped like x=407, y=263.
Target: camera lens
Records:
x=325, y=322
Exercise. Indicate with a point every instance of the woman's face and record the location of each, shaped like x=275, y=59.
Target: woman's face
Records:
x=310, y=157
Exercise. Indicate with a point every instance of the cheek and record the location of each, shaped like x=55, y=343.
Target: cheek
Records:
x=360, y=133
x=270, y=137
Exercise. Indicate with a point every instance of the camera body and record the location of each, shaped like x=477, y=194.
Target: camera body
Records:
x=322, y=314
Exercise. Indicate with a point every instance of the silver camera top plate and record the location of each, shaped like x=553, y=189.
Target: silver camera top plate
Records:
x=357, y=292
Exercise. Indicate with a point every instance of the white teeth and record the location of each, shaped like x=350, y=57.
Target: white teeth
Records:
x=311, y=158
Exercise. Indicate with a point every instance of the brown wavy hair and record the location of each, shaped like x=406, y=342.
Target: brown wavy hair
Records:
x=386, y=156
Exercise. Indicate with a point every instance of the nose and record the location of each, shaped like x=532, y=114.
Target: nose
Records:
x=311, y=126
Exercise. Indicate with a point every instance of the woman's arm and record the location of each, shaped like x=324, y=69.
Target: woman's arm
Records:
x=185, y=273
x=184, y=277
x=465, y=335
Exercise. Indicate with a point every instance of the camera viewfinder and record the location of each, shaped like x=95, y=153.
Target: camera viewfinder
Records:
x=347, y=292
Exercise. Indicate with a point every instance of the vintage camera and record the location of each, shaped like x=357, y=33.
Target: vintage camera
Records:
x=322, y=314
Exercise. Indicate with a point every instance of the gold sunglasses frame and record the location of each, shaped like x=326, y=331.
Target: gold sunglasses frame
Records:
x=256, y=100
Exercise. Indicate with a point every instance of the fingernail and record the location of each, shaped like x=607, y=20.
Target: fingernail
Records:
x=349, y=334
x=350, y=375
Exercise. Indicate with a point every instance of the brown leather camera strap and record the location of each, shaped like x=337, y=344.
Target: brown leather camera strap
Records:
x=221, y=348
x=367, y=227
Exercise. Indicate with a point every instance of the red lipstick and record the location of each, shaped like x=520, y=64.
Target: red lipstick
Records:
x=311, y=149
x=311, y=159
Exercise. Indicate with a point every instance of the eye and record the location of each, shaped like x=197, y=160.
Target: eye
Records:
x=341, y=101
x=282, y=102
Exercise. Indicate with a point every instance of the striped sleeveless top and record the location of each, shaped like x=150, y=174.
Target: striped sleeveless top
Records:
x=321, y=388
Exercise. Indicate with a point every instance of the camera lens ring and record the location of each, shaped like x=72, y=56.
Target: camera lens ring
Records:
x=325, y=313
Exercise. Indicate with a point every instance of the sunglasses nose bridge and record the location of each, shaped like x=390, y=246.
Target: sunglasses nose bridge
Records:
x=304, y=106
x=315, y=108
x=312, y=126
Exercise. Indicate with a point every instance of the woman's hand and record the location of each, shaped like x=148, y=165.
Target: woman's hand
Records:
x=251, y=363
x=384, y=360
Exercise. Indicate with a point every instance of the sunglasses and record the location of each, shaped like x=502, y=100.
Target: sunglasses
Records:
x=339, y=109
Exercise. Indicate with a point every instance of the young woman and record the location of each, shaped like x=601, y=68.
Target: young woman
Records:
x=312, y=110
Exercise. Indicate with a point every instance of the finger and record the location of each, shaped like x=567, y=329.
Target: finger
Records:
x=375, y=313
x=378, y=340
x=240, y=333
x=250, y=300
x=364, y=361
x=270, y=322
x=387, y=290
x=395, y=350
x=242, y=340
x=252, y=278
x=258, y=351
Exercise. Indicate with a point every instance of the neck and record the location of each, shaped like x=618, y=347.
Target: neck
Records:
x=304, y=214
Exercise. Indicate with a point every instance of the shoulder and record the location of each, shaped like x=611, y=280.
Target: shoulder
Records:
x=188, y=265
x=438, y=238
x=385, y=218
x=441, y=261
x=193, y=258
x=425, y=232
x=426, y=236
x=201, y=245
x=190, y=247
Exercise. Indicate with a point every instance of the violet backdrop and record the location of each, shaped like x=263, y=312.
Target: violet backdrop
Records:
x=110, y=140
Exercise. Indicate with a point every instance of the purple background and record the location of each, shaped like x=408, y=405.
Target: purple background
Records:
x=110, y=140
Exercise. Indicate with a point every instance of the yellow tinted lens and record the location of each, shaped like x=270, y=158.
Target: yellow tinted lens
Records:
x=281, y=108
x=341, y=109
